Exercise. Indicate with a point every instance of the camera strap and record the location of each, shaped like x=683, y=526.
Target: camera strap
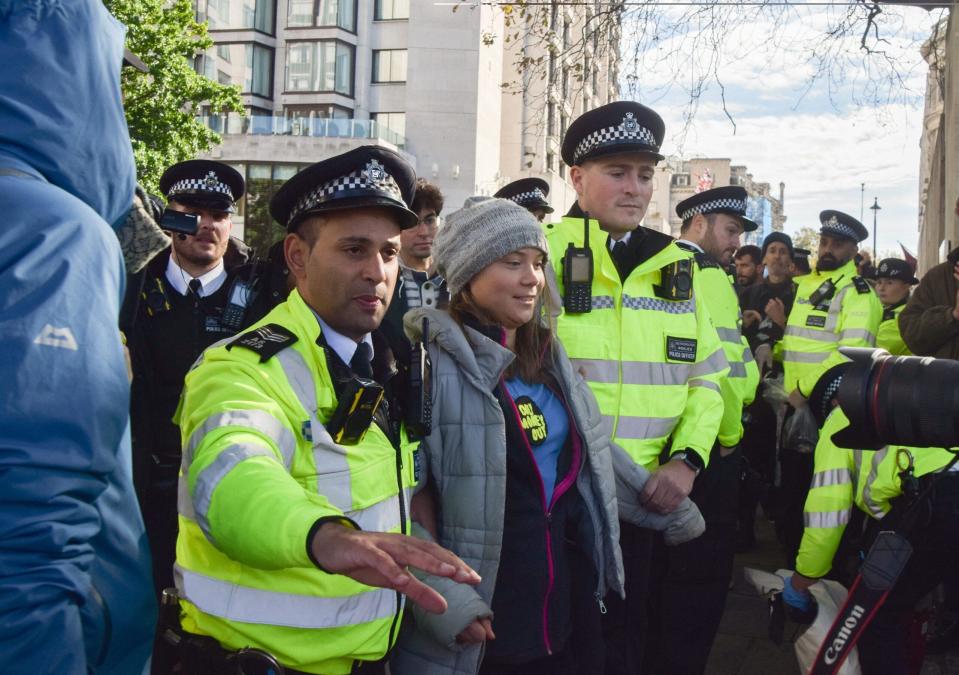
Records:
x=877, y=577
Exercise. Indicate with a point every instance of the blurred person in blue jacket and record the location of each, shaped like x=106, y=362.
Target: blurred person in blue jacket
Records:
x=75, y=593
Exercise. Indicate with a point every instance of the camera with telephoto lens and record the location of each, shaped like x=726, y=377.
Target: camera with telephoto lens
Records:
x=901, y=400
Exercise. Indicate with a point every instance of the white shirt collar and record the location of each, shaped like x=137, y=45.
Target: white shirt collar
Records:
x=624, y=239
x=691, y=243
x=179, y=279
x=343, y=346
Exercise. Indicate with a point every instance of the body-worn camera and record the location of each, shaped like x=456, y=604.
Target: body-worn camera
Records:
x=902, y=400
x=353, y=416
x=826, y=290
x=676, y=281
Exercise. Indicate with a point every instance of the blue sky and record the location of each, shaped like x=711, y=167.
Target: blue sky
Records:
x=859, y=122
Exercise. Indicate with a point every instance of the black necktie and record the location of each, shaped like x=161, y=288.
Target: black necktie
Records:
x=195, y=286
x=360, y=363
x=621, y=259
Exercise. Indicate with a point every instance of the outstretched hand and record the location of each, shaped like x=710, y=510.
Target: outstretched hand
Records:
x=380, y=559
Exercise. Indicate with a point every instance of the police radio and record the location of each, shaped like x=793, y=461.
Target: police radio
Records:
x=826, y=290
x=237, y=302
x=676, y=280
x=419, y=417
x=578, y=275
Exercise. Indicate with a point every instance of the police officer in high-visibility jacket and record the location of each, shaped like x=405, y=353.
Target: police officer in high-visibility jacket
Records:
x=296, y=470
x=834, y=308
x=638, y=333
x=873, y=482
x=894, y=279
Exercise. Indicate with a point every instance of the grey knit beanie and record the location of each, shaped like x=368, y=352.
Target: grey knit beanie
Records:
x=480, y=233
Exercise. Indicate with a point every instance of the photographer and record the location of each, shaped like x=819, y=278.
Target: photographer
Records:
x=889, y=486
x=930, y=321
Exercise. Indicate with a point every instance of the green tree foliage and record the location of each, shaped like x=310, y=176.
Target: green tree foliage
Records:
x=162, y=105
x=806, y=238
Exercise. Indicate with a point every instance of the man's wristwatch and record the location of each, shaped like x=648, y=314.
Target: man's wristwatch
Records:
x=690, y=459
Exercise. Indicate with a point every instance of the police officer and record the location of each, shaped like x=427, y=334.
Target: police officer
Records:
x=642, y=339
x=530, y=193
x=700, y=571
x=834, y=308
x=294, y=487
x=873, y=481
x=184, y=293
x=894, y=278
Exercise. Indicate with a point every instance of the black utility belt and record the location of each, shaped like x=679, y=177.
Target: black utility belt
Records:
x=201, y=654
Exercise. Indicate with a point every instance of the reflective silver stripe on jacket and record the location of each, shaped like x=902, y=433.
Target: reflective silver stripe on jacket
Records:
x=209, y=479
x=805, y=357
x=711, y=365
x=858, y=334
x=831, y=477
x=819, y=335
x=659, y=305
x=874, y=508
x=332, y=465
x=730, y=335
x=633, y=372
x=252, y=605
x=256, y=420
x=737, y=369
x=826, y=519
x=641, y=428
x=705, y=384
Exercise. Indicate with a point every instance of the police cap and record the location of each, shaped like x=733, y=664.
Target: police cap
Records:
x=894, y=268
x=731, y=200
x=611, y=129
x=203, y=183
x=530, y=193
x=363, y=177
x=820, y=399
x=839, y=224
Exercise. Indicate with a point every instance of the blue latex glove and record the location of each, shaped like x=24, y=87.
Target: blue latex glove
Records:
x=801, y=600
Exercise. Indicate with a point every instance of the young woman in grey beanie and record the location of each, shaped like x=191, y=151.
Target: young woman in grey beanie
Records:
x=518, y=476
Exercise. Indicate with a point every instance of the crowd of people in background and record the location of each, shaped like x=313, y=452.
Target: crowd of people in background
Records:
x=417, y=437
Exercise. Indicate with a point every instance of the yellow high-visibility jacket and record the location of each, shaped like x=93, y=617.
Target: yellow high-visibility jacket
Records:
x=845, y=478
x=715, y=288
x=655, y=365
x=814, y=334
x=889, y=337
x=259, y=470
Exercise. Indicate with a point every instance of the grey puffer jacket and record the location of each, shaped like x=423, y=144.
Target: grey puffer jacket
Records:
x=465, y=455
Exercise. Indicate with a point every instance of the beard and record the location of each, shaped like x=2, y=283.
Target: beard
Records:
x=829, y=263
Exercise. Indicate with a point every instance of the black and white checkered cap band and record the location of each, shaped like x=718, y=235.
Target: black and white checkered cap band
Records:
x=601, y=137
x=737, y=205
x=532, y=195
x=195, y=185
x=840, y=228
x=357, y=180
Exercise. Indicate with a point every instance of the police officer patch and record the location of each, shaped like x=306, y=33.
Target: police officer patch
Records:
x=266, y=340
x=816, y=321
x=681, y=349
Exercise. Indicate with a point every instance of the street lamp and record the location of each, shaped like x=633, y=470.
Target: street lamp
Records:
x=875, y=209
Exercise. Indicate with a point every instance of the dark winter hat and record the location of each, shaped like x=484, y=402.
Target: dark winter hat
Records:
x=611, y=129
x=894, y=268
x=203, y=183
x=731, y=200
x=366, y=176
x=820, y=400
x=839, y=224
x=782, y=238
x=530, y=193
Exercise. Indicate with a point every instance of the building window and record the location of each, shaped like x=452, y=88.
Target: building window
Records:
x=247, y=64
x=260, y=231
x=238, y=14
x=551, y=119
x=325, y=65
x=681, y=180
x=391, y=127
x=304, y=13
x=389, y=65
x=387, y=10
